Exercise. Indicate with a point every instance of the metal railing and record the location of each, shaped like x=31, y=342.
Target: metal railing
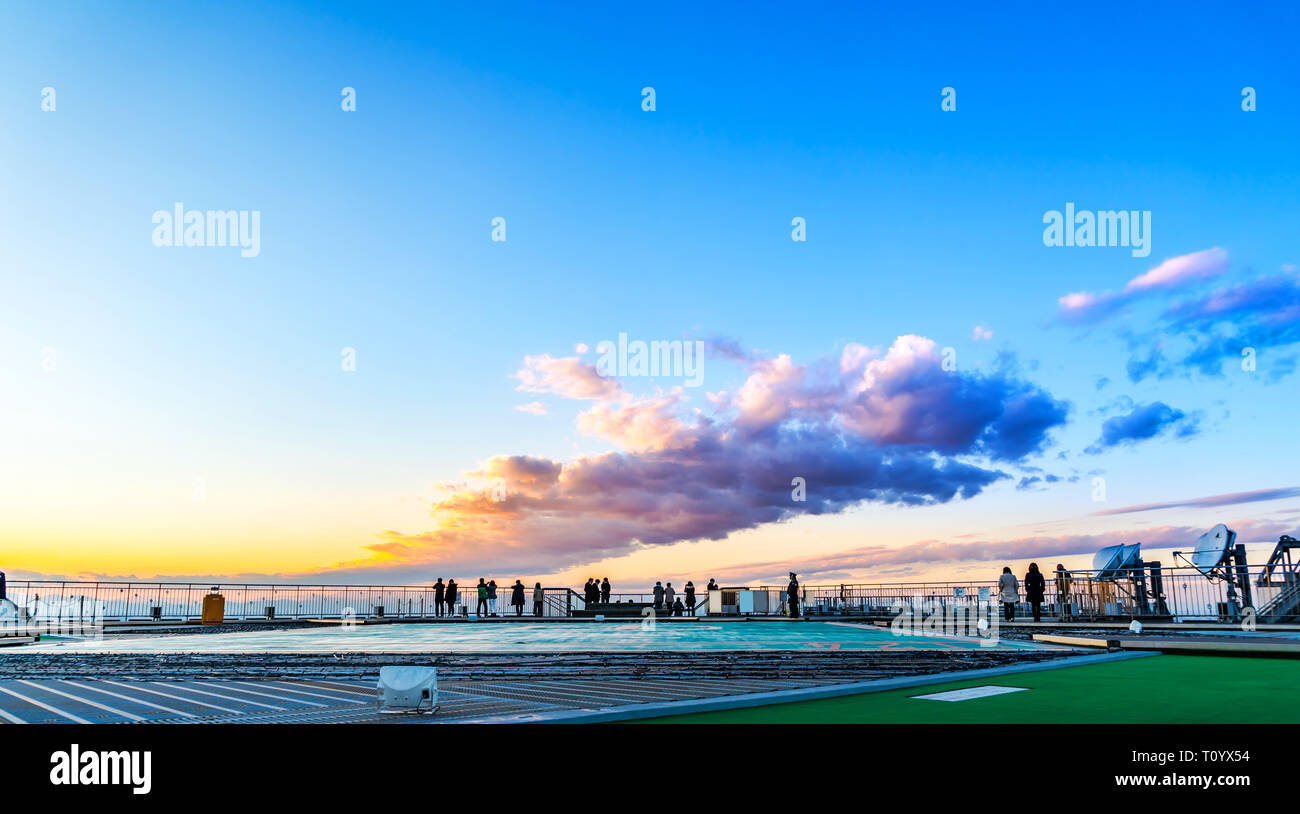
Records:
x=171, y=601
x=1179, y=593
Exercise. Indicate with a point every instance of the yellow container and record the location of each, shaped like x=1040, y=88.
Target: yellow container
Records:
x=214, y=609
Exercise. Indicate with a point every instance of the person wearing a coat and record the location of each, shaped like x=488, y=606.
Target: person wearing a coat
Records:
x=604, y=590
x=452, y=590
x=539, y=599
x=1009, y=593
x=690, y=597
x=659, y=595
x=1035, y=585
x=439, y=591
x=1064, y=579
x=517, y=597
x=791, y=595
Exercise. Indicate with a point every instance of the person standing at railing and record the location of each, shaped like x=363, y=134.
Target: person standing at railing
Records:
x=669, y=594
x=481, y=609
x=517, y=597
x=539, y=599
x=1063, y=580
x=659, y=595
x=791, y=595
x=1035, y=587
x=690, y=597
x=1009, y=593
x=492, y=597
x=439, y=591
x=451, y=597
x=604, y=590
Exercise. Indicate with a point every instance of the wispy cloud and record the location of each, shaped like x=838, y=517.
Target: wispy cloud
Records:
x=1172, y=274
x=1229, y=499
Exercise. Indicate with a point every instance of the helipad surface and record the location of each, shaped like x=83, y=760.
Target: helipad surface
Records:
x=535, y=638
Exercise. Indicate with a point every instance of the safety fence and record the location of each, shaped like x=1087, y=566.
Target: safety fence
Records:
x=105, y=602
x=1177, y=593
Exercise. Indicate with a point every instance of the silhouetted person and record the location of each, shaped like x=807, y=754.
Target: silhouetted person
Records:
x=1064, y=580
x=604, y=590
x=492, y=597
x=678, y=607
x=439, y=591
x=659, y=596
x=517, y=597
x=669, y=595
x=539, y=599
x=712, y=586
x=791, y=595
x=1009, y=593
x=690, y=597
x=481, y=610
x=1035, y=586
x=452, y=591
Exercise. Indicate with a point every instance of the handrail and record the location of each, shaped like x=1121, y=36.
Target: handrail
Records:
x=1184, y=593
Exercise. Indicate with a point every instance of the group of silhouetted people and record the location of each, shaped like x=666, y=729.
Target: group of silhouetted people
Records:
x=596, y=592
x=1035, y=590
x=446, y=597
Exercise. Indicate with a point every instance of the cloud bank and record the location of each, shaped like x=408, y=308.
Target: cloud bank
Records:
x=891, y=426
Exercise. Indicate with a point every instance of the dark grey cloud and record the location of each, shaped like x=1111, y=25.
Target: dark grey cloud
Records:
x=1143, y=422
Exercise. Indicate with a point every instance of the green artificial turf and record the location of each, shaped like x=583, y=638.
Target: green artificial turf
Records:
x=1157, y=689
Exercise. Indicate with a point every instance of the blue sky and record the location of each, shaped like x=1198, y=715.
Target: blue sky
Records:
x=185, y=366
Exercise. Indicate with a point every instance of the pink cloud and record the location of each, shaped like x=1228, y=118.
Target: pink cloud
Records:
x=892, y=428
x=568, y=377
x=1173, y=273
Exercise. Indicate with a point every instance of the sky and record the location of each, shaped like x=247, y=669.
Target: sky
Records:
x=383, y=392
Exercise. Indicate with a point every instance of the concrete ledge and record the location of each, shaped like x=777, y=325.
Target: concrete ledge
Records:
x=1262, y=646
x=662, y=709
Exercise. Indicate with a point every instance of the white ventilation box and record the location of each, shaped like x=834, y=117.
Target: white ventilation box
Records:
x=408, y=689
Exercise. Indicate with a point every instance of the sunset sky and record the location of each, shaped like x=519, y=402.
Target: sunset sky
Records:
x=185, y=412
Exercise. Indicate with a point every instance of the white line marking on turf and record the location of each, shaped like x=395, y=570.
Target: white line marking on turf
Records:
x=173, y=697
x=357, y=689
x=227, y=697
x=86, y=701
x=969, y=693
x=13, y=719
x=233, y=686
x=293, y=688
x=45, y=706
x=139, y=701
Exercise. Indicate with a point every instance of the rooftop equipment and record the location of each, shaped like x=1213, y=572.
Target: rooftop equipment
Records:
x=1122, y=565
x=1220, y=558
x=408, y=689
x=1282, y=572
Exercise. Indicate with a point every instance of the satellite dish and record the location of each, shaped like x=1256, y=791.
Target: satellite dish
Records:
x=1114, y=559
x=1212, y=548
